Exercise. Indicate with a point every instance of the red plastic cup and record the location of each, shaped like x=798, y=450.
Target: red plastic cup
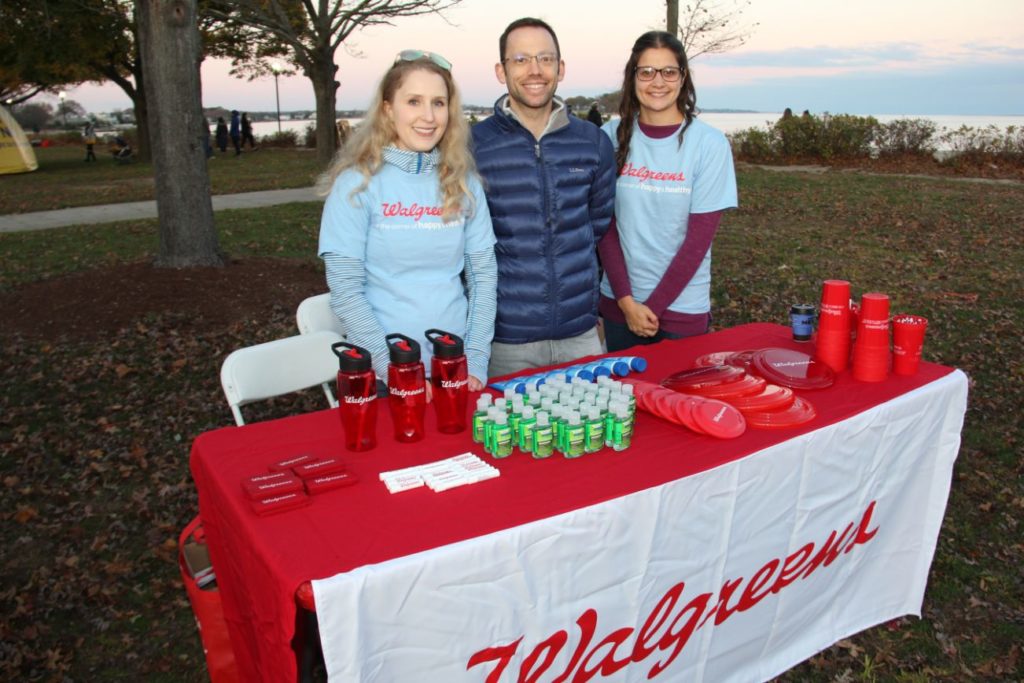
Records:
x=832, y=347
x=907, y=340
x=870, y=364
x=874, y=306
x=873, y=333
x=835, y=293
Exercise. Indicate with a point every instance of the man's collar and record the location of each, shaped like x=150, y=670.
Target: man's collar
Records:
x=558, y=118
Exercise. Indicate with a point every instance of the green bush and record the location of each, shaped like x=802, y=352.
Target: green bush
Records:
x=284, y=138
x=754, y=144
x=980, y=145
x=906, y=136
x=309, y=136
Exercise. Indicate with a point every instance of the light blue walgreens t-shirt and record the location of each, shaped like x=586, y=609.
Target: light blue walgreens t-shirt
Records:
x=413, y=257
x=659, y=187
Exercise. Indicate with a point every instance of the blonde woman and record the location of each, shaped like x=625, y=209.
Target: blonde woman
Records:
x=406, y=235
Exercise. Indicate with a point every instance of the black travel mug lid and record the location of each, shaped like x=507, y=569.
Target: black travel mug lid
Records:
x=402, y=349
x=352, y=358
x=446, y=344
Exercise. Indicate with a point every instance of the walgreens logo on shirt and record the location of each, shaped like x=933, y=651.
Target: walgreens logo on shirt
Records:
x=415, y=211
x=644, y=174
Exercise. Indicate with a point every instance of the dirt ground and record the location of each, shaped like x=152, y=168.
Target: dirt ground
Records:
x=98, y=302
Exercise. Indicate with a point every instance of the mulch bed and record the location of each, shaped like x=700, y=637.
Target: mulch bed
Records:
x=97, y=302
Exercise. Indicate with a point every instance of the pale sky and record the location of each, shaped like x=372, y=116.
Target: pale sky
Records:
x=913, y=57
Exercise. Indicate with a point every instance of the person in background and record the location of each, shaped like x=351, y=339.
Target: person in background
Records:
x=247, y=132
x=220, y=134
x=550, y=181
x=406, y=235
x=236, y=132
x=89, y=138
x=676, y=177
x=594, y=115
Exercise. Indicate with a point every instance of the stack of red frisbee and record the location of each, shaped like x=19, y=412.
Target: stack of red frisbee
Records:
x=763, y=393
x=699, y=414
x=792, y=369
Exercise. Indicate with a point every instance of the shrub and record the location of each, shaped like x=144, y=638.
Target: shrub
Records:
x=906, y=136
x=754, y=144
x=844, y=136
x=284, y=138
x=309, y=135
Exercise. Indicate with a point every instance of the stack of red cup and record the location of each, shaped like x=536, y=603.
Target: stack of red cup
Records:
x=834, y=325
x=871, y=350
x=907, y=340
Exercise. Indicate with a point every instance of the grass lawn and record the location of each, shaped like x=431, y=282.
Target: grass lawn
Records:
x=64, y=180
x=96, y=432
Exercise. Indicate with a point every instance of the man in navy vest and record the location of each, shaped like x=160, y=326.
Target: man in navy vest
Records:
x=550, y=184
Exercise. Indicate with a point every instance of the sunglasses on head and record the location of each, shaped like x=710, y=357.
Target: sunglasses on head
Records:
x=413, y=55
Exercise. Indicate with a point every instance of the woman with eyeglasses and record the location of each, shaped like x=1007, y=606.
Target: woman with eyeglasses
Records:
x=675, y=179
x=406, y=235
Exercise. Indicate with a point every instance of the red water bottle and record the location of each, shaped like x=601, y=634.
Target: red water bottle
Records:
x=407, y=387
x=357, y=394
x=450, y=379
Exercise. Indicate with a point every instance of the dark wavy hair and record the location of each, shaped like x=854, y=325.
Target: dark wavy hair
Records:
x=525, y=22
x=629, y=106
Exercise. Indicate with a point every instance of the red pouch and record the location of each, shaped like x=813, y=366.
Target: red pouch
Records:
x=281, y=503
x=329, y=482
x=288, y=483
x=319, y=467
x=291, y=462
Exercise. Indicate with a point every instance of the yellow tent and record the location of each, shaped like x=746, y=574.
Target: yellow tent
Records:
x=16, y=155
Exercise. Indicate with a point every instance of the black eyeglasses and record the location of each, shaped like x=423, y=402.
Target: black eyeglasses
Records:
x=670, y=74
x=413, y=55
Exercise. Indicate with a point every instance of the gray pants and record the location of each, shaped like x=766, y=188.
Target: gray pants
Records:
x=509, y=358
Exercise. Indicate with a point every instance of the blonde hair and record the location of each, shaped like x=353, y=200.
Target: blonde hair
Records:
x=364, y=149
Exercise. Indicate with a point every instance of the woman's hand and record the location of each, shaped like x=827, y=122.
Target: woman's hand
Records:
x=641, y=320
x=475, y=384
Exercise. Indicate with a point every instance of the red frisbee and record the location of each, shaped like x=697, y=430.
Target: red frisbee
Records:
x=710, y=359
x=740, y=359
x=745, y=386
x=800, y=412
x=719, y=419
x=665, y=406
x=772, y=397
x=684, y=411
x=686, y=380
x=792, y=369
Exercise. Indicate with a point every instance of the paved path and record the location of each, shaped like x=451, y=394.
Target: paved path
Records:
x=108, y=213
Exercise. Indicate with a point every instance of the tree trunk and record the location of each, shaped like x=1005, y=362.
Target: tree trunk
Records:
x=672, y=17
x=325, y=89
x=169, y=39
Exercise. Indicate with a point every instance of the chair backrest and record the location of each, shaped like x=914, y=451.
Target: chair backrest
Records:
x=314, y=314
x=279, y=367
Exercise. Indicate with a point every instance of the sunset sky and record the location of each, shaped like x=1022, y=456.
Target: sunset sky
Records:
x=914, y=57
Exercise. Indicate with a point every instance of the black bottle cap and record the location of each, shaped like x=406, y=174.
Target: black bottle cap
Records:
x=352, y=358
x=402, y=349
x=446, y=344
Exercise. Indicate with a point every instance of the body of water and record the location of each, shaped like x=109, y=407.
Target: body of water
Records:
x=731, y=122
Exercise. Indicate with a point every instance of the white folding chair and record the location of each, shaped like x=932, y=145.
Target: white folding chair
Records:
x=315, y=314
x=279, y=367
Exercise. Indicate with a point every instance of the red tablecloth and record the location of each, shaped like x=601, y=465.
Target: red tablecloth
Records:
x=261, y=561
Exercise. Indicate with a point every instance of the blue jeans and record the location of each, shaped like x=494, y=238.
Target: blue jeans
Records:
x=617, y=336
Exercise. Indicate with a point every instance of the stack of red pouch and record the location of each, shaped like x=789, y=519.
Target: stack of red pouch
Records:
x=290, y=483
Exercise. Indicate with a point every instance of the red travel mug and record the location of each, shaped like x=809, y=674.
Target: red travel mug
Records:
x=357, y=394
x=449, y=377
x=407, y=387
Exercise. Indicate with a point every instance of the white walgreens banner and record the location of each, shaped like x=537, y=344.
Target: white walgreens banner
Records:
x=735, y=574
